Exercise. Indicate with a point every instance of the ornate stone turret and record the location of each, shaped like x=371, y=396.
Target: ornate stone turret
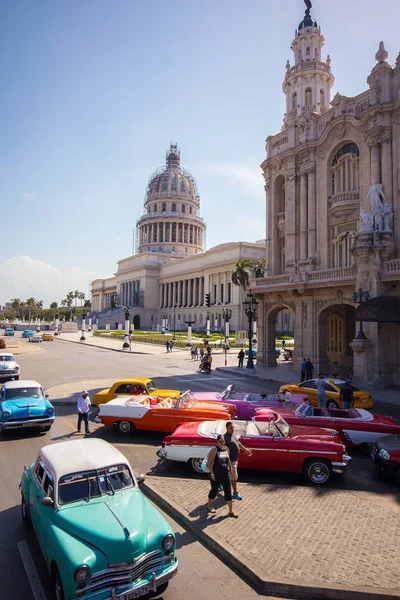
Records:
x=380, y=79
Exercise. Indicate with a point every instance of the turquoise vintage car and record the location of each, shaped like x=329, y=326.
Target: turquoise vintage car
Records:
x=101, y=538
x=9, y=331
x=24, y=405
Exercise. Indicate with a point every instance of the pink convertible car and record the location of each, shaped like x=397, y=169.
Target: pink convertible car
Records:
x=247, y=404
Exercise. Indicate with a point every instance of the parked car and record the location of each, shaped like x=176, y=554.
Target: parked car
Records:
x=9, y=331
x=287, y=353
x=101, y=538
x=27, y=333
x=36, y=338
x=48, y=336
x=159, y=414
x=385, y=452
x=130, y=387
x=9, y=368
x=246, y=404
x=362, y=399
x=275, y=446
x=24, y=405
x=356, y=427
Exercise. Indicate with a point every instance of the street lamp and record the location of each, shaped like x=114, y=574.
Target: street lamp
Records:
x=175, y=307
x=83, y=338
x=126, y=345
x=227, y=313
x=250, y=308
x=90, y=324
x=38, y=323
x=360, y=297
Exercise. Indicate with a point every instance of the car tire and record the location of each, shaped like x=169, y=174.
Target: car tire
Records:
x=160, y=590
x=26, y=519
x=332, y=404
x=57, y=584
x=125, y=427
x=286, y=357
x=195, y=463
x=318, y=471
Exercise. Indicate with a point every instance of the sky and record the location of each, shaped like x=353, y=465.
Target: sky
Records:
x=94, y=92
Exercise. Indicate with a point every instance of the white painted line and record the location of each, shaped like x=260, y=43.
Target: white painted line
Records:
x=31, y=571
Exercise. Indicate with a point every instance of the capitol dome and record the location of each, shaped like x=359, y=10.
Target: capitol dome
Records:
x=171, y=223
x=308, y=21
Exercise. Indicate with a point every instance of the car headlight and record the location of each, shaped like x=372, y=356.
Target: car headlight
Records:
x=50, y=410
x=168, y=543
x=384, y=454
x=6, y=414
x=81, y=574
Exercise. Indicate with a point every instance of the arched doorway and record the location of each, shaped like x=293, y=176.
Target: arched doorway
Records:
x=336, y=329
x=136, y=322
x=272, y=320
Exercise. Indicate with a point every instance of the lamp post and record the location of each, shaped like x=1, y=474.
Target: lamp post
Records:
x=360, y=297
x=126, y=345
x=208, y=324
x=227, y=313
x=83, y=338
x=250, y=308
x=175, y=307
x=90, y=324
x=38, y=323
x=56, y=324
x=189, y=333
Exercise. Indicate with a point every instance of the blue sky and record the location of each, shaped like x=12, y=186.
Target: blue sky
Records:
x=93, y=92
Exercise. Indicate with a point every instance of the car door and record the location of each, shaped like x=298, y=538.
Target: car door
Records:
x=124, y=389
x=38, y=512
x=308, y=388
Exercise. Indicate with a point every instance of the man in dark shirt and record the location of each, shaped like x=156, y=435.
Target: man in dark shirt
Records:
x=346, y=396
x=234, y=447
x=309, y=369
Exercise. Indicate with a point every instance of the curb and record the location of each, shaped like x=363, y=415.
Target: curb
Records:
x=253, y=575
x=102, y=347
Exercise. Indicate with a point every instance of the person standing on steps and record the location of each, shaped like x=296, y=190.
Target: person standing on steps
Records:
x=219, y=465
x=241, y=358
x=309, y=369
x=234, y=447
x=302, y=370
x=83, y=406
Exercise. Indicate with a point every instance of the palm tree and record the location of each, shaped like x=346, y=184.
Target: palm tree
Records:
x=16, y=304
x=76, y=296
x=81, y=297
x=259, y=268
x=31, y=304
x=241, y=274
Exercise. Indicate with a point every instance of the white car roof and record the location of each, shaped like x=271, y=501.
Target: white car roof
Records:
x=22, y=383
x=80, y=455
x=6, y=354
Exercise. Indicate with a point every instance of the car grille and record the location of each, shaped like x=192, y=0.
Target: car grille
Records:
x=121, y=576
x=30, y=418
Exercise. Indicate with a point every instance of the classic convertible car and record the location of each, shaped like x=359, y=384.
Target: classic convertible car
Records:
x=100, y=537
x=9, y=369
x=246, y=404
x=356, y=427
x=362, y=399
x=275, y=446
x=131, y=387
x=159, y=414
x=24, y=405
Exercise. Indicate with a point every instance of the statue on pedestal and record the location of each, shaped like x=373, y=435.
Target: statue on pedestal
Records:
x=366, y=221
x=375, y=193
x=387, y=217
x=379, y=218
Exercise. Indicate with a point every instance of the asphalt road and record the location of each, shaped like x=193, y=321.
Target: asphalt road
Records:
x=201, y=573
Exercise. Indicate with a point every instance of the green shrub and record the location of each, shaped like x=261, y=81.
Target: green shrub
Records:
x=2, y=344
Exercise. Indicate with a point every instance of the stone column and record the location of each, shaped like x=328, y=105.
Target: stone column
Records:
x=303, y=217
x=387, y=170
x=201, y=291
x=376, y=163
x=311, y=216
x=161, y=295
x=290, y=219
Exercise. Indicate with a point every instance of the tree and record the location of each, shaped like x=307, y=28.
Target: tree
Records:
x=54, y=305
x=68, y=300
x=15, y=304
x=31, y=304
x=81, y=296
x=259, y=268
x=241, y=274
x=76, y=295
x=87, y=304
x=39, y=304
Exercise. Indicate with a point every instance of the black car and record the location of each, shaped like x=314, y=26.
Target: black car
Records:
x=385, y=452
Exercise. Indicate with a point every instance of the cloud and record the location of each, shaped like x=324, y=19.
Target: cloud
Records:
x=248, y=178
x=23, y=277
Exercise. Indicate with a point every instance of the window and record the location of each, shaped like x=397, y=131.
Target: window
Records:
x=164, y=187
x=89, y=484
x=182, y=184
x=190, y=210
x=322, y=97
x=294, y=101
x=308, y=97
x=173, y=207
x=173, y=183
x=173, y=238
x=342, y=237
x=155, y=208
x=164, y=207
x=183, y=208
x=48, y=485
x=39, y=470
x=344, y=170
x=335, y=334
x=126, y=388
x=308, y=51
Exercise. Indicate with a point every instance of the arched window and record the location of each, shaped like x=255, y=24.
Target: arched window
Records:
x=183, y=209
x=182, y=184
x=344, y=170
x=322, y=97
x=164, y=187
x=155, y=208
x=190, y=210
x=308, y=51
x=173, y=207
x=294, y=101
x=164, y=207
x=173, y=183
x=334, y=336
x=342, y=238
x=308, y=97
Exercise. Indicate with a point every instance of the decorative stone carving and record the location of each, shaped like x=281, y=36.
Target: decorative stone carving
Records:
x=379, y=219
x=292, y=305
x=376, y=121
x=291, y=176
x=319, y=304
x=366, y=221
x=339, y=297
x=321, y=154
x=280, y=300
x=387, y=218
x=304, y=313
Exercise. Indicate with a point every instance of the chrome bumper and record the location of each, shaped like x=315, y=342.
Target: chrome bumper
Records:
x=26, y=424
x=340, y=467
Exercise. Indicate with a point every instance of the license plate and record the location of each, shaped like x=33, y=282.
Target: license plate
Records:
x=30, y=425
x=142, y=591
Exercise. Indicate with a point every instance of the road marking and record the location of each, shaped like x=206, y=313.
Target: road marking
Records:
x=31, y=572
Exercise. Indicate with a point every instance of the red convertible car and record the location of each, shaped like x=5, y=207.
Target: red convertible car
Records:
x=356, y=427
x=275, y=446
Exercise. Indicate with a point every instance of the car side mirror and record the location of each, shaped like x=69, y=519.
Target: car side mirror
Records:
x=47, y=501
x=140, y=479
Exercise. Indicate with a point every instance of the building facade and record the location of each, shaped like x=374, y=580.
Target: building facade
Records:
x=332, y=182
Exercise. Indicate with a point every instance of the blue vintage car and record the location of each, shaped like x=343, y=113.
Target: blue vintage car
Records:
x=101, y=538
x=23, y=405
x=27, y=333
x=9, y=331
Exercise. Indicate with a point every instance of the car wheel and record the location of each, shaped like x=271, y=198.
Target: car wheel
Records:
x=160, y=590
x=57, y=584
x=332, y=404
x=287, y=357
x=25, y=512
x=318, y=471
x=195, y=463
x=126, y=427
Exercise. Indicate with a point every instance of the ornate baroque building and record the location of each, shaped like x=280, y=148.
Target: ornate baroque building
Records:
x=319, y=177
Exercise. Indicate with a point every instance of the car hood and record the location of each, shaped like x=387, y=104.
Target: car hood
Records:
x=122, y=526
x=162, y=393
x=25, y=403
x=6, y=365
x=389, y=442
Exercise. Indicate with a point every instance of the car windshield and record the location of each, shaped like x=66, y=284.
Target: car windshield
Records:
x=151, y=387
x=31, y=392
x=341, y=384
x=6, y=358
x=302, y=409
x=91, y=484
x=187, y=400
x=283, y=427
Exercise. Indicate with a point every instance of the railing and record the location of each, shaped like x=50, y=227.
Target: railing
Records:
x=328, y=274
x=309, y=108
x=272, y=280
x=280, y=142
x=176, y=215
x=292, y=113
x=344, y=198
x=390, y=267
x=305, y=277
x=309, y=64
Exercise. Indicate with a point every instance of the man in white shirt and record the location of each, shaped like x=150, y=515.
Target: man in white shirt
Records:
x=83, y=407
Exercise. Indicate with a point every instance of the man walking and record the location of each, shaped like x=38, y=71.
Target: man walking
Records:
x=83, y=407
x=241, y=358
x=309, y=369
x=302, y=370
x=234, y=447
x=167, y=345
x=346, y=396
x=321, y=394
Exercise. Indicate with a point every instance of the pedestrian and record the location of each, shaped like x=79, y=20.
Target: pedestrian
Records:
x=196, y=353
x=346, y=395
x=83, y=406
x=171, y=345
x=130, y=340
x=334, y=370
x=219, y=465
x=283, y=344
x=167, y=345
x=302, y=370
x=309, y=369
x=234, y=447
x=201, y=353
x=350, y=375
x=241, y=358
x=320, y=384
x=193, y=351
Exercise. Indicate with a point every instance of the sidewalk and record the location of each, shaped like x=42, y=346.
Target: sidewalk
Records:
x=294, y=541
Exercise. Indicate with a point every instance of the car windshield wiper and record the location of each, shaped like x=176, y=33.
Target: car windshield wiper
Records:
x=110, y=485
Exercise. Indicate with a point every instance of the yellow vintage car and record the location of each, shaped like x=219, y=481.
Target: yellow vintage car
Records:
x=48, y=336
x=362, y=399
x=132, y=387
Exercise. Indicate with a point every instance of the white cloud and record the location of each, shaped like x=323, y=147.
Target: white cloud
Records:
x=23, y=277
x=248, y=178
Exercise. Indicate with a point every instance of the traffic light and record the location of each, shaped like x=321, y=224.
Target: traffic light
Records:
x=208, y=300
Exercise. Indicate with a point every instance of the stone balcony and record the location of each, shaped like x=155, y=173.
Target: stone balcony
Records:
x=390, y=269
x=342, y=203
x=306, y=66
x=314, y=279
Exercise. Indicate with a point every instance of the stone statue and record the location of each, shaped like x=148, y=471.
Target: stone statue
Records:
x=378, y=218
x=387, y=217
x=366, y=221
x=375, y=193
